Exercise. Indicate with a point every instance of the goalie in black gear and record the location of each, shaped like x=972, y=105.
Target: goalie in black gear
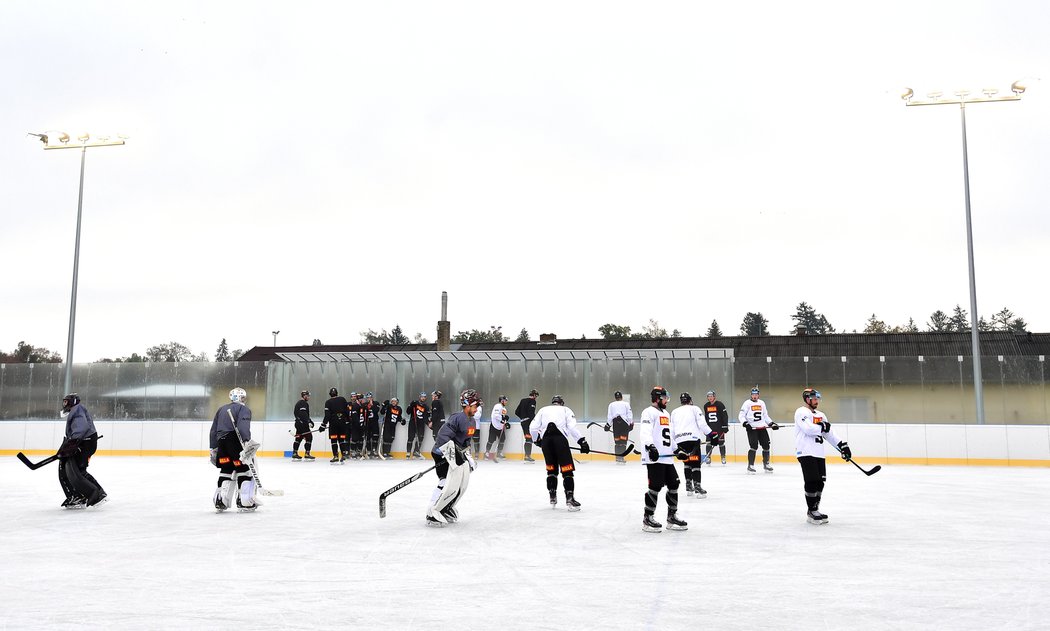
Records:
x=230, y=456
x=80, y=487
x=303, y=426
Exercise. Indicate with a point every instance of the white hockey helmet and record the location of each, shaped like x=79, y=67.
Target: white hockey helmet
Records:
x=238, y=395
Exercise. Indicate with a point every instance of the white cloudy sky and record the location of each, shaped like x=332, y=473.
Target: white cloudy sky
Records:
x=322, y=169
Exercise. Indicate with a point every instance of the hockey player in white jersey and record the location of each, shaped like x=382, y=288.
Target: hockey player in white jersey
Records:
x=659, y=445
x=553, y=427
x=755, y=418
x=690, y=428
x=499, y=422
x=621, y=420
x=812, y=430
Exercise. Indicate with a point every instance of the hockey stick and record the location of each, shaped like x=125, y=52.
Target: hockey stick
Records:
x=45, y=461
x=313, y=431
x=397, y=487
x=868, y=472
x=251, y=461
x=627, y=450
x=601, y=425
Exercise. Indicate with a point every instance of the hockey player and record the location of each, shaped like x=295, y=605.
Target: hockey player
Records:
x=498, y=422
x=689, y=427
x=475, y=439
x=418, y=417
x=79, y=444
x=453, y=462
x=718, y=420
x=231, y=425
x=552, y=428
x=437, y=412
x=370, y=412
x=391, y=413
x=755, y=418
x=622, y=421
x=335, y=413
x=303, y=426
x=658, y=440
x=525, y=412
x=357, y=425
x=812, y=430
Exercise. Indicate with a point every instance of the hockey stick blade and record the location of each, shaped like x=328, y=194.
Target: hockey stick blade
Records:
x=867, y=472
x=601, y=425
x=21, y=456
x=397, y=487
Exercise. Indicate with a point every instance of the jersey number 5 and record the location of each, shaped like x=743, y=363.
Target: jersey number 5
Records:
x=667, y=436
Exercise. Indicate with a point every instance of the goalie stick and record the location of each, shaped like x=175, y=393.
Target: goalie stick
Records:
x=251, y=461
x=397, y=487
x=867, y=472
x=28, y=463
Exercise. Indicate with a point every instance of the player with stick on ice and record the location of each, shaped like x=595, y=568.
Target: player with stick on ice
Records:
x=453, y=461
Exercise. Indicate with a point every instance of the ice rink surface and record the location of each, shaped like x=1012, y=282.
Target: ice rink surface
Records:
x=908, y=548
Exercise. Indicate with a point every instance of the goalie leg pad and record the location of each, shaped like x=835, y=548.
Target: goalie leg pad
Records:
x=455, y=487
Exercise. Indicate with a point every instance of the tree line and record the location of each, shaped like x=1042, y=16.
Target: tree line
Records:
x=754, y=324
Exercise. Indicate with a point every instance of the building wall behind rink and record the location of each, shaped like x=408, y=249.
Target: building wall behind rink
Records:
x=586, y=382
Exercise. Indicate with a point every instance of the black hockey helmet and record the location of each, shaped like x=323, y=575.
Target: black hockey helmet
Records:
x=658, y=392
x=556, y=399
x=368, y=395
x=755, y=389
x=534, y=392
x=333, y=392
x=70, y=400
x=618, y=395
x=304, y=393
x=810, y=393
x=469, y=397
x=685, y=398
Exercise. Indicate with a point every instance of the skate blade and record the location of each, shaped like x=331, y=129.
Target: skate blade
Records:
x=672, y=527
x=651, y=529
x=816, y=522
x=574, y=509
x=701, y=497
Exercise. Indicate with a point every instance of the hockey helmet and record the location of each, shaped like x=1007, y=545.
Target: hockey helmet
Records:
x=502, y=398
x=658, y=392
x=368, y=395
x=436, y=394
x=469, y=397
x=238, y=395
x=333, y=392
x=710, y=393
x=422, y=395
x=304, y=393
x=556, y=399
x=534, y=392
x=754, y=390
x=810, y=393
x=394, y=400
x=618, y=395
x=685, y=398
x=70, y=400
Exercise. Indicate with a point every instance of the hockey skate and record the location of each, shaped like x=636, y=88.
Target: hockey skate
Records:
x=767, y=468
x=450, y=514
x=74, y=502
x=688, y=488
x=434, y=522
x=296, y=457
x=700, y=493
x=529, y=459
x=673, y=523
x=246, y=508
x=96, y=500
x=723, y=461
x=554, y=500
x=651, y=525
x=571, y=503
x=816, y=517
x=501, y=456
x=706, y=460
x=750, y=470
x=308, y=457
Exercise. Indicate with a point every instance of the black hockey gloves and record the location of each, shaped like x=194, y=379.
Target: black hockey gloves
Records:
x=654, y=453
x=584, y=447
x=846, y=453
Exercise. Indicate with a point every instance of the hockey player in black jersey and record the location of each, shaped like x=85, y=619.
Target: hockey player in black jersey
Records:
x=718, y=420
x=437, y=412
x=391, y=413
x=526, y=411
x=357, y=425
x=335, y=413
x=303, y=426
x=370, y=412
x=418, y=417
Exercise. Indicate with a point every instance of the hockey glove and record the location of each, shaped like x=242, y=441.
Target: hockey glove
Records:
x=712, y=437
x=607, y=427
x=311, y=424
x=825, y=427
x=404, y=422
x=773, y=426
x=250, y=447
x=323, y=427
x=654, y=453
x=746, y=425
x=584, y=447
x=70, y=446
x=844, y=448
x=213, y=456
x=681, y=454
x=538, y=440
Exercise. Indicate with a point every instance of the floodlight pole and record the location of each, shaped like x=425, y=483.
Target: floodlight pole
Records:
x=85, y=142
x=962, y=98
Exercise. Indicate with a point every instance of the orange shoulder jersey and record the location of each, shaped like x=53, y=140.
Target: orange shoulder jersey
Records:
x=656, y=430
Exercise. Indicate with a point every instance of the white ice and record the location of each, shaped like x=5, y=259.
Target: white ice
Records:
x=910, y=547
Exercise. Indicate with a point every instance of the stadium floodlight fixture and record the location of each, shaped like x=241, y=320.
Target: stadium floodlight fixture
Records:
x=85, y=143
x=962, y=98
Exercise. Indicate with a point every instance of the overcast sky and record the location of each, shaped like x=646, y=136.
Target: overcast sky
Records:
x=324, y=169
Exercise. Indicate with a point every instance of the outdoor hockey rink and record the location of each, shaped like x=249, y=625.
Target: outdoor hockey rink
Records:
x=910, y=547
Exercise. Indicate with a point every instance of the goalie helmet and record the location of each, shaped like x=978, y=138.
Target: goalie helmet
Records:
x=469, y=397
x=557, y=400
x=70, y=401
x=238, y=395
x=685, y=398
